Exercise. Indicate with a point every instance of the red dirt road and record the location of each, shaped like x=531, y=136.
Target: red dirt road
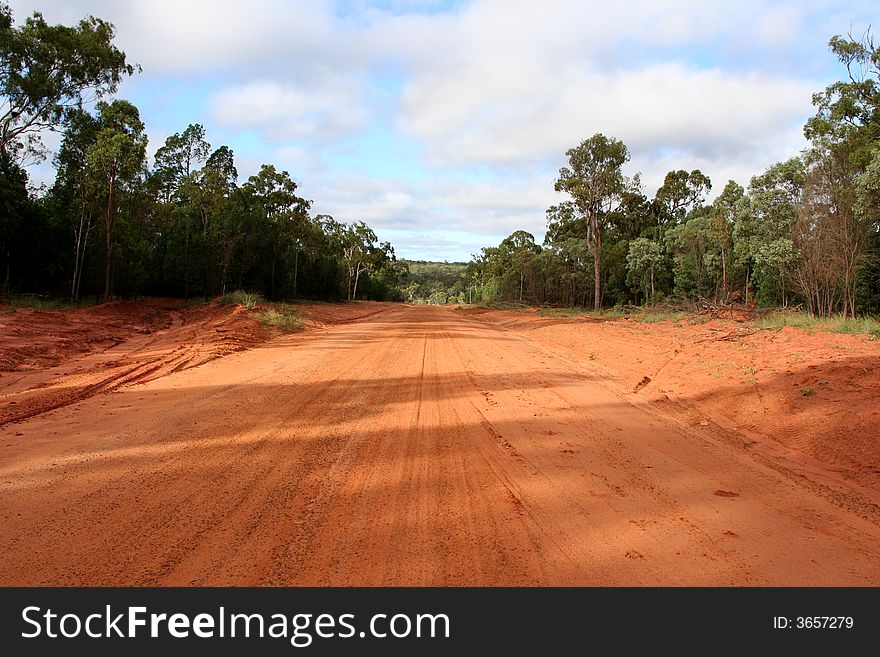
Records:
x=414, y=446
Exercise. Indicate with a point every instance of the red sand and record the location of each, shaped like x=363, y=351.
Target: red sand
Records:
x=389, y=444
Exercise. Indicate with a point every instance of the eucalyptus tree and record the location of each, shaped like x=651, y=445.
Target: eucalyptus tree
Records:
x=642, y=259
x=842, y=181
x=518, y=252
x=73, y=190
x=763, y=226
x=723, y=217
x=595, y=182
x=115, y=160
x=357, y=241
x=179, y=157
x=283, y=212
x=680, y=194
x=48, y=70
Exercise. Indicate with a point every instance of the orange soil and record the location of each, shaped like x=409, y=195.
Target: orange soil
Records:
x=390, y=444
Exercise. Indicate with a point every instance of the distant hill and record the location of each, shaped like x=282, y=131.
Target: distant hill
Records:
x=435, y=282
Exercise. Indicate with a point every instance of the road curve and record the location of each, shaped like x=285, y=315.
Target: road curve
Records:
x=418, y=446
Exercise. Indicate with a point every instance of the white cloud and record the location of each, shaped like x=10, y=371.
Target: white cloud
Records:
x=328, y=111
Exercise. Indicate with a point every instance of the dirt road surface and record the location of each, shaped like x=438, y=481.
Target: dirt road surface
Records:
x=412, y=446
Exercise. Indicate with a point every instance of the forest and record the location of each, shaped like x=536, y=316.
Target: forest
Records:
x=435, y=282
x=805, y=232
x=112, y=226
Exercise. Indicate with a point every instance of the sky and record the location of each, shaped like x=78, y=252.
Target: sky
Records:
x=443, y=124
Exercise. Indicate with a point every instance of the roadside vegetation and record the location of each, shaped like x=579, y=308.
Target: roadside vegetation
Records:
x=805, y=232
x=281, y=317
x=833, y=324
x=112, y=224
x=434, y=282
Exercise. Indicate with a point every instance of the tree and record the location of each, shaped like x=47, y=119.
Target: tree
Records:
x=179, y=157
x=48, y=70
x=114, y=161
x=283, y=211
x=641, y=260
x=691, y=247
x=767, y=216
x=724, y=212
x=14, y=199
x=849, y=110
x=841, y=182
x=831, y=214
x=680, y=194
x=357, y=242
x=596, y=184
x=221, y=178
x=222, y=162
x=518, y=252
x=73, y=189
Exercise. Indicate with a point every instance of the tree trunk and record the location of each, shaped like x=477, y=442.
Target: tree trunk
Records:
x=108, y=225
x=81, y=244
x=274, y=259
x=724, y=271
x=295, y=270
x=357, y=277
x=746, y=295
x=597, y=284
x=78, y=234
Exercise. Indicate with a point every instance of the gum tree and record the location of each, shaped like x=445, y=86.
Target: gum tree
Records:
x=595, y=182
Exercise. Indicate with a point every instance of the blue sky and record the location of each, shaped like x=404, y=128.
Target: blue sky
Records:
x=443, y=124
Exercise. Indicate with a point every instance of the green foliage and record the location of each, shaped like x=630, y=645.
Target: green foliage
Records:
x=781, y=319
x=805, y=232
x=834, y=324
x=867, y=325
x=642, y=260
x=436, y=282
x=595, y=182
x=283, y=318
x=247, y=299
x=680, y=194
x=48, y=70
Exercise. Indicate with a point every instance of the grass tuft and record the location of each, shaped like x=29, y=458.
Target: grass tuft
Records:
x=283, y=318
x=247, y=299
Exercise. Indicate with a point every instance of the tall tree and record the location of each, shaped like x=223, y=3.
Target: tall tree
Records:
x=115, y=160
x=848, y=111
x=358, y=252
x=594, y=179
x=845, y=133
x=724, y=210
x=680, y=194
x=179, y=157
x=283, y=211
x=642, y=259
x=763, y=226
x=73, y=190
